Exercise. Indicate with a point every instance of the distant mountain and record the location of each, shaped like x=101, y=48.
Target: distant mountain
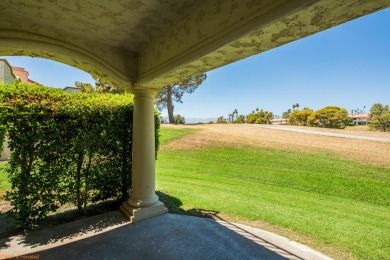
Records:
x=200, y=120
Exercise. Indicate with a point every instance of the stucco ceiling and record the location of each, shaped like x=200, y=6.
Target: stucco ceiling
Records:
x=150, y=43
x=125, y=24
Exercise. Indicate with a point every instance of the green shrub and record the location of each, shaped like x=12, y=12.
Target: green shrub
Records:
x=221, y=120
x=2, y=136
x=179, y=119
x=65, y=148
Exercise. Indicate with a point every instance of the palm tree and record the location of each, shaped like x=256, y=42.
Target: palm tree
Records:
x=257, y=109
x=294, y=106
x=230, y=118
x=235, y=112
x=297, y=105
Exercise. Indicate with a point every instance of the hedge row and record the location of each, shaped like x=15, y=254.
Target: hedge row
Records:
x=66, y=148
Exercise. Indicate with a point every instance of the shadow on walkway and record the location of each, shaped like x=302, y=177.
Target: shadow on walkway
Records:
x=164, y=237
x=169, y=236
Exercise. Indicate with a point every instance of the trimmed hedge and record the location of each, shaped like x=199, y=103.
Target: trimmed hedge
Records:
x=66, y=148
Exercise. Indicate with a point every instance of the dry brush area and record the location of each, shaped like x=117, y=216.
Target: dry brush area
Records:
x=212, y=135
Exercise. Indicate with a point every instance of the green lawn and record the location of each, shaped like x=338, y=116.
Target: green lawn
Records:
x=4, y=184
x=334, y=202
x=167, y=135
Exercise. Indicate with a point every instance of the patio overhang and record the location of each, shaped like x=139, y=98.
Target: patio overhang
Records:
x=153, y=43
x=141, y=46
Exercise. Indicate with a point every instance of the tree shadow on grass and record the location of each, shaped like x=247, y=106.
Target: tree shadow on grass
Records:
x=174, y=206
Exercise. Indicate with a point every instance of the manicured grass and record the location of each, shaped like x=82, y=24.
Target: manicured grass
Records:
x=167, y=135
x=4, y=184
x=335, y=202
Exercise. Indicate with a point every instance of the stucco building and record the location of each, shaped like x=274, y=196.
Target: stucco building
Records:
x=6, y=75
x=9, y=73
x=72, y=90
x=361, y=119
x=22, y=75
x=279, y=121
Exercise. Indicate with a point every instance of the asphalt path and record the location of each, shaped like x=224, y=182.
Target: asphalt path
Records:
x=309, y=131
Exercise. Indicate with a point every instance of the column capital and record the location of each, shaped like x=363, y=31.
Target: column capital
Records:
x=145, y=92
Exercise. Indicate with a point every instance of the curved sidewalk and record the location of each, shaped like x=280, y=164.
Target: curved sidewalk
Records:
x=169, y=236
x=308, y=131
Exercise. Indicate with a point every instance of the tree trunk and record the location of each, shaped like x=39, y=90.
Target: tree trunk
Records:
x=170, y=106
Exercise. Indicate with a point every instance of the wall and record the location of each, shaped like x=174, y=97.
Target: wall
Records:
x=6, y=74
x=20, y=73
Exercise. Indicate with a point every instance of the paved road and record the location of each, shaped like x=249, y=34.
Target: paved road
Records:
x=309, y=131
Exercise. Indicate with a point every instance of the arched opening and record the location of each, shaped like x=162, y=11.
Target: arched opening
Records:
x=49, y=72
x=106, y=66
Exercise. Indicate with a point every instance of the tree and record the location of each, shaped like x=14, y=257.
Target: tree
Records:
x=230, y=118
x=268, y=116
x=239, y=120
x=84, y=87
x=312, y=120
x=179, y=119
x=300, y=117
x=102, y=87
x=332, y=117
x=221, y=120
x=286, y=114
x=293, y=106
x=235, y=112
x=175, y=92
x=261, y=117
x=380, y=116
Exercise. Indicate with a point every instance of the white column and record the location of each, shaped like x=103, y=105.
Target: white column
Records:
x=143, y=202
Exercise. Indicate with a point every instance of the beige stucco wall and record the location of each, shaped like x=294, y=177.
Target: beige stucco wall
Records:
x=6, y=72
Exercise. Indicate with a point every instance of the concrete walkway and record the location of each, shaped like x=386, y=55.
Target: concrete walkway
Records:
x=309, y=131
x=110, y=236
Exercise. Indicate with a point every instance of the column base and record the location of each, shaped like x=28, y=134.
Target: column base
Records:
x=137, y=214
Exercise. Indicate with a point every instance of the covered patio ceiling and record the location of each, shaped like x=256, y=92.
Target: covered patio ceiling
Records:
x=152, y=43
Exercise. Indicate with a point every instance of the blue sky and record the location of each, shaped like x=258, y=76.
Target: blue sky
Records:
x=347, y=66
